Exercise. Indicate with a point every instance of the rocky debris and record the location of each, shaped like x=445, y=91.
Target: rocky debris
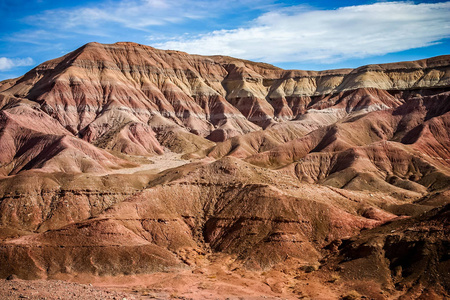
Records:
x=56, y=290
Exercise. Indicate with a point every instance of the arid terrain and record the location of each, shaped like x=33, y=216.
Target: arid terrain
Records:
x=132, y=172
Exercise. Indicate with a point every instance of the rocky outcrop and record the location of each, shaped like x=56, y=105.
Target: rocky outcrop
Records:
x=409, y=256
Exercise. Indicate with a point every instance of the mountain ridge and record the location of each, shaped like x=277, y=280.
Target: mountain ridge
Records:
x=232, y=99
x=125, y=160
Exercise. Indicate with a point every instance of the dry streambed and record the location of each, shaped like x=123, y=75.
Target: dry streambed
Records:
x=156, y=163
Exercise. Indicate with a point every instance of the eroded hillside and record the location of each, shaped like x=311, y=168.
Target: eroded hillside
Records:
x=125, y=160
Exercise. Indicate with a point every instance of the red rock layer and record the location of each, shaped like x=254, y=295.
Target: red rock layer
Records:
x=95, y=91
x=374, y=139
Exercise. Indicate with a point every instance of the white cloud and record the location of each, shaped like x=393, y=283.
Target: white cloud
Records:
x=9, y=63
x=326, y=36
x=105, y=17
x=134, y=14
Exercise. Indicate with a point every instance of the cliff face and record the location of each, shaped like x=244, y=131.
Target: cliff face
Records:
x=270, y=164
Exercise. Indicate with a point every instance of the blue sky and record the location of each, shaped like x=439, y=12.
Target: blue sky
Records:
x=314, y=35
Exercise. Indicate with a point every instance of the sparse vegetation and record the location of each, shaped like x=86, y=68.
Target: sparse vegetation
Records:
x=351, y=295
x=334, y=278
x=309, y=268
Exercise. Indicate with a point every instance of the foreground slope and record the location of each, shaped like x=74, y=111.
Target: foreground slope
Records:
x=227, y=205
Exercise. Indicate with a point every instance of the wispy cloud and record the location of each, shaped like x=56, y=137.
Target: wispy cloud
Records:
x=10, y=63
x=37, y=37
x=326, y=36
x=133, y=14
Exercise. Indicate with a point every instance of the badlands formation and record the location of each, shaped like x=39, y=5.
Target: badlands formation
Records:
x=167, y=175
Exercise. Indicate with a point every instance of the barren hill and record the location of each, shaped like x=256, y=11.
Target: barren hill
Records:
x=125, y=160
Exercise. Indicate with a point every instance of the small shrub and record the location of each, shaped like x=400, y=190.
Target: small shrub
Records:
x=352, y=295
x=334, y=278
x=309, y=268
